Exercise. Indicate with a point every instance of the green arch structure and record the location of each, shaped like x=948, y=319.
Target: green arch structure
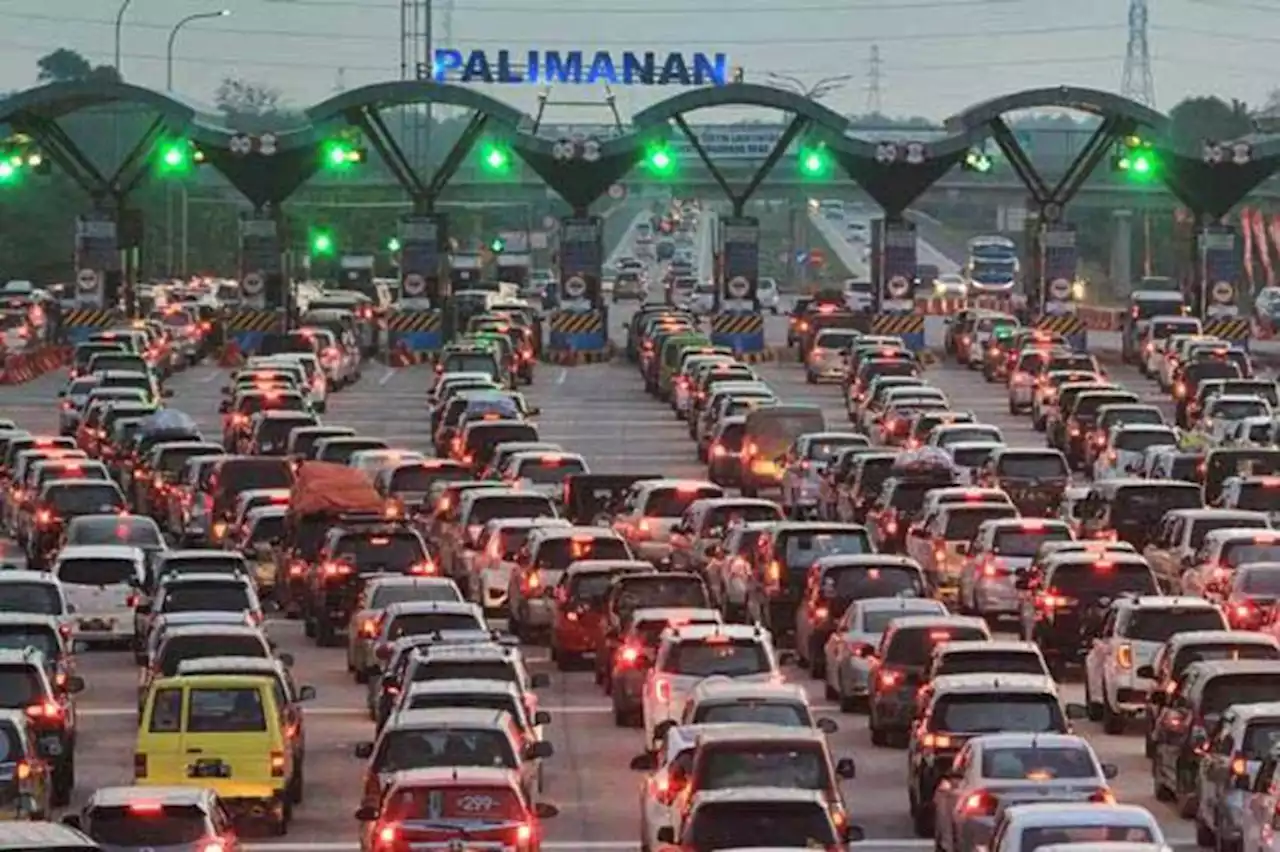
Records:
x=1209, y=189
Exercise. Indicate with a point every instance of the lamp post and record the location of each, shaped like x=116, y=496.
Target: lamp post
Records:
x=124, y=7
x=173, y=35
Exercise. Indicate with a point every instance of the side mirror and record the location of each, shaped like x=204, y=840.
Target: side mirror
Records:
x=660, y=732
x=542, y=717
x=546, y=810
x=307, y=693
x=224, y=407
x=852, y=834
x=1110, y=771
x=666, y=834
x=364, y=750
x=538, y=750
x=827, y=726
x=846, y=769
x=287, y=659
x=75, y=684
x=367, y=813
x=644, y=762
x=1146, y=671
x=1076, y=711
x=72, y=821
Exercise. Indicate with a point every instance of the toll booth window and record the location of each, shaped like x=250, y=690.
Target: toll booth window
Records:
x=717, y=656
x=1245, y=552
x=912, y=646
x=392, y=552
x=1104, y=579
x=787, y=714
x=420, y=623
x=207, y=597
x=858, y=582
x=794, y=767
x=17, y=637
x=1160, y=625
x=1225, y=690
x=1019, y=543
x=96, y=572
x=225, y=711
x=421, y=749
x=40, y=598
x=548, y=471
x=983, y=714
x=1038, y=763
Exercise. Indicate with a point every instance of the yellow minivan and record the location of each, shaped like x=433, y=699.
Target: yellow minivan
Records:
x=225, y=732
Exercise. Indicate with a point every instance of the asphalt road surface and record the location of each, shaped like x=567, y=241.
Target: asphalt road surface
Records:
x=602, y=411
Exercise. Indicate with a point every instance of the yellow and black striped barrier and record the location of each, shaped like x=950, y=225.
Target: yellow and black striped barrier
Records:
x=415, y=333
x=252, y=319
x=737, y=324
x=903, y=324
x=1236, y=329
x=577, y=337
x=567, y=322
x=79, y=323
x=1064, y=324
x=415, y=321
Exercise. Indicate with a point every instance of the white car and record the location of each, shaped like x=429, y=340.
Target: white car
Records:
x=1002, y=549
x=101, y=584
x=1226, y=408
x=950, y=285
x=543, y=471
x=1033, y=828
x=670, y=763
x=495, y=559
x=1124, y=452
x=373, y=462
x=767, y=295
x=688, y=654
x=1131, y=634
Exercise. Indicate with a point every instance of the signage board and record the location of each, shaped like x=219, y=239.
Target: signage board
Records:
x=599, y=67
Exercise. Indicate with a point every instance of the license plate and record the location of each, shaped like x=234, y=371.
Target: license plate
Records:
x=97, y=623
x=209, y=767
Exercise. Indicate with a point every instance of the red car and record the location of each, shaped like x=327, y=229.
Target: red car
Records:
x=578, y=611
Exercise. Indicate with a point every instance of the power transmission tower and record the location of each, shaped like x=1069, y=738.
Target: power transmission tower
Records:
x=875, y=77
x=1138, y=84
x=416, y=61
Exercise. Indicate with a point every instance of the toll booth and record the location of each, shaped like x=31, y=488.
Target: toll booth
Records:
x=1051, y=279
x=737, y=321
x=579, y=326
x=356, y=273
x=95, y=303
x=1211, y=273
x=894, y=270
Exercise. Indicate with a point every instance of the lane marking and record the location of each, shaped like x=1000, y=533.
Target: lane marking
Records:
x=562, y=375
x=208, y=378
x=387, y=376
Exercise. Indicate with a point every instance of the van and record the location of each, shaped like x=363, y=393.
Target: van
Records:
x=767, y=436
x=673, y=351
x=223, y=732
x=101, y=583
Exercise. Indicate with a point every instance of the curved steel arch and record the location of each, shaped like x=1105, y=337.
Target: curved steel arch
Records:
x=402, y=92
x=739, y=94
x=1092, y=101
x=55, y=100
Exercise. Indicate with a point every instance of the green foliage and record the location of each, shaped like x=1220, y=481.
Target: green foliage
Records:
x=1198, y=119
x=65, y=66
x=253, y=107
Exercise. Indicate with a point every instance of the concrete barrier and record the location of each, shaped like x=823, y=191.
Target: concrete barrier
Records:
x=21, y=367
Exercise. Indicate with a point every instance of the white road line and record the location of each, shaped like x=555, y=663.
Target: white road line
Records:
x=387, y=376
x=562, y=375
x=209, y=378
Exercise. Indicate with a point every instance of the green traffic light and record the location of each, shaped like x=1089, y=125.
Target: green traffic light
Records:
x=495, y=158
x=1141, y=164
x=497, y=245
x=814, y=162
x=393, y=244
x=175, y=157
x=339, y=155
x=7, y=172
x=321, y=244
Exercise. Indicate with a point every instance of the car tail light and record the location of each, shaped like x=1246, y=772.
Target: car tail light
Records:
x=297, y=569
x=132, y=600
x=524, y=833
x=1050, y=601
x=44, y=517
x=336, y=569
x=889, y=678
x=47, y=711
x=664, y=789
x=718, y=451
x=1124, y=656
x=213, y=846
x=532, y=582
x=1103, y=796
x=426, y=568
x=662, y=689
x=388, y=835
x=980, y=803
x=369, y=628
x=628, y=655
x=277, y=764
x=935, y=741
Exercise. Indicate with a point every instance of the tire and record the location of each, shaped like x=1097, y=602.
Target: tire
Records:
x=326, y=636
x=1158, y=790
x=817, y=661
x=297, y=786
x=1112, y=722
x=1205, y=836
x=1093, y=709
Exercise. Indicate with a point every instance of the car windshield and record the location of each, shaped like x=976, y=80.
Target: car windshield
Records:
x=672, y=502
x=789, y=714
x=792, y=765
x=1159, y=625
x=400, y=750
x=146, y=825
x=978, y=713
x=115, y=529
x=993, y=662
x=1018, y=543
x=962, y=524
x=97, y=572
x=38, y=598
x=738, y=825
x=42, y=638
x=206, y=597
x=912, y=646
x=1240, y=553
x=717, y=656
x=856, y=582
x=86, y=499
x=550, y=471
x=392, y=552
x=1238, y=688
x=418, y=623
x=1038, y=763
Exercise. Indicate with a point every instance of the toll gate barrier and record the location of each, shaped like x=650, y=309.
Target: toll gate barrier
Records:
x=79, y=323
x=743, y=332
x=577, y=331
x=1236, y=329
x=247, y=326
x=1070, y=326
x=415, y=332
x=910, y=327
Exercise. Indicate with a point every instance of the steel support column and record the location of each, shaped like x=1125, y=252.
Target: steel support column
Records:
x=133, y=167
x=1026, y=172
x=453, y=160
x=797, y=125
x=368, y=120
x=704, y=156
x=1088, y=159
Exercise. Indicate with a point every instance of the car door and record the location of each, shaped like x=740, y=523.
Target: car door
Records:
x=1259, y=819
x=1099, y=657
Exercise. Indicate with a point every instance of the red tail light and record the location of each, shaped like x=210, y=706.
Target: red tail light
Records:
x=931, y=741
x=980, y=803
x=888, y=679
x=532, y=582
x=628, y=655
x=132, y=600
x=277, y=764
x=45, y=711
x=1103, y=796
x=336, y=569
x=664, y=788
x=44, y=517
x=369, y=628
x=427, y=568
x=388, y=835
x=662, y=689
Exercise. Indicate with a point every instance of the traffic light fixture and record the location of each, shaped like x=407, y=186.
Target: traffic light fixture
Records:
x=343, y=152
x=495, y=159
x=660, y=160
x=321, y=244
x=1136, y=159
x=977, y=161
x=19, y=155
x=815, y=162
x=497, y=245
x=179, y=156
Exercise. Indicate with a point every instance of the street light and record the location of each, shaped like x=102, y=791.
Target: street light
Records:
x=815, y=92
x=124, y=7
x=173, y=34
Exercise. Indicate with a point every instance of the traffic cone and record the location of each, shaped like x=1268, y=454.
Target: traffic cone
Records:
x=230, y=355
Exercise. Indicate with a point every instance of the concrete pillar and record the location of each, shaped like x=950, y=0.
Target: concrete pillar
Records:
x=1122, y=253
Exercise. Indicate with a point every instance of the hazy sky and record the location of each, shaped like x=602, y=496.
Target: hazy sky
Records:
x=937, y=55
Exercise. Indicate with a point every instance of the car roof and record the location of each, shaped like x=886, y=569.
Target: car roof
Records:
x=100, y=551
x=115, y=797
x=450, y=717
x=988, y=682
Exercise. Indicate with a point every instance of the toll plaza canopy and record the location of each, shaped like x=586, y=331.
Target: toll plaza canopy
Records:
x=268, y=167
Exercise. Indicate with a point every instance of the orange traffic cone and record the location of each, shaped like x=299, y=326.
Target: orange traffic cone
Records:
x=230, y=355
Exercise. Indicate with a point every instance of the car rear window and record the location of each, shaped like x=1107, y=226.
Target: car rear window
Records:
x=418, y=623
x=1138, y=440
x=1160, y=625
x=1151, y=502
x=86, y=499
x=387, y=595
x=1034, y=838
x=421, y=477
x=200, y=645
x=207, y=596
x=788, y=714
x=423, y=748
x=549, y=471
x=717, y=656
x=1019, y=543
x=390, y=552
x=470, y=364
x=1240, y=553
x=979, y=713
x=38, y=598
x=962, y=524
x=1104, y=578
x=1227, y=689
x=1044, y=466
x=145, y=824
x=802, y=548
x=1221, y=651
x=247, y=474
x=97, y=572
x=225, y=711
x=467, y=701
x=793, y=765
x=489, y=507
x=1040, y=763
x=857, y=582
x=737, y=825
x=912, y=646
x=1005, y=661
x=557, y=553
x=1255, y=581
x=114, y=529
x=672, y=502
x=20, y=686
x=435, y=670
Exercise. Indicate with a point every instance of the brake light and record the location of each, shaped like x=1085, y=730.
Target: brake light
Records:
x=1103, y=796
x=145, y=807
x=628, y=655
x=718, y=451
x=277, y=764
x=336, y=569
x=369, y=628
x=935, y=741
x=979, y=803
x=662, y=689
x=989, y=569
x=532, y=581
x=1124, y=656
x=387, y=835
x=132, y=600
x=49, y=711
x=1239, y=766
x=22, y=771
x=44, y=517
x=423, y=568
x=524, y=833
x=215, y=846
x=889, y=679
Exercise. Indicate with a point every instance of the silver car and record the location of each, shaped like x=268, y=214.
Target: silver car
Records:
x=851, y=648
x=74, y=396
x=1001, y=770
x=1001, y=550
x=1228, y=788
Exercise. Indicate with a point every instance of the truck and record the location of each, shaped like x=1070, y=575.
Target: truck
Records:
x=991, y=265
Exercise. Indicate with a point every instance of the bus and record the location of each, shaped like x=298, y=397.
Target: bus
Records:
x=991, y=265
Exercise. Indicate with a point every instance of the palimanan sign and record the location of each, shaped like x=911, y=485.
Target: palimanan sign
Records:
x=648, y=68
